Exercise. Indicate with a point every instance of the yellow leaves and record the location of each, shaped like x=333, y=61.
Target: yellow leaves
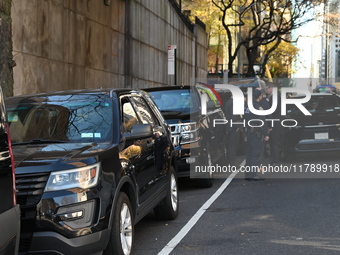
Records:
x=283, y=56
x=205, y=11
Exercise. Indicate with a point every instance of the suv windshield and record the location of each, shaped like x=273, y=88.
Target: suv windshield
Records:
x=181, y=101
x=318, y=105
x=60, y=120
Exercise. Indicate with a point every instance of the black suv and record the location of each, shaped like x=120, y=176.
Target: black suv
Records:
x=316, y=132
x=89, y=165
x=9, y=209
x=198, y=140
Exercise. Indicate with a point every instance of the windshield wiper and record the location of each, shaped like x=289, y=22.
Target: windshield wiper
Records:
x=172, y=112
x=39, y=141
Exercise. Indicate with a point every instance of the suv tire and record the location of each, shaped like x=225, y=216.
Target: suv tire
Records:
x=206, y=182
x=122, y=233
x=168, y=208
x=223, y=161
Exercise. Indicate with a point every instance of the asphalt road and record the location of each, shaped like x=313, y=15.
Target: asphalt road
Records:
x=274, y=216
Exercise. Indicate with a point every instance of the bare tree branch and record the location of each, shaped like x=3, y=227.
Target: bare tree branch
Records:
x=262, y=22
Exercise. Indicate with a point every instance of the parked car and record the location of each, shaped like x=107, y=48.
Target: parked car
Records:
x=9, y=209
x=317, y=132
x=89, y=165
x=197, y=141
x=325, y=88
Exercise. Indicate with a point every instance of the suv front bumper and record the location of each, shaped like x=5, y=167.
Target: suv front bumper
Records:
x=187, y=158
x=89, y=244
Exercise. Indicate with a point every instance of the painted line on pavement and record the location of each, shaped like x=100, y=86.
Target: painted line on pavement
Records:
x=194, y=219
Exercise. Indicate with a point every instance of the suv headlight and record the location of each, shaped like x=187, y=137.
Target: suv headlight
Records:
x=85, y=177
x=189, y=133
x=189, y=127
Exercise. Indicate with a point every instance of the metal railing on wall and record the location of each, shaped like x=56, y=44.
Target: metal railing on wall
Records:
x=182, y=16
x=200, y=23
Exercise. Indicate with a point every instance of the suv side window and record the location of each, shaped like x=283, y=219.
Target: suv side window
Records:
x=144, y=111
x=202, y=92
x=129, y=115
x=210, y=95
x=147, y=115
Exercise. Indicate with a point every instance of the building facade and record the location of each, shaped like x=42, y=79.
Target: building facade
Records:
x=330, y=64
x=67, y=44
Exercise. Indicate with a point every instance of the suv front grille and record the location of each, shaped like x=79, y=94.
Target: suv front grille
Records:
x=175, y=133
x=181, y=129
x=30, y=188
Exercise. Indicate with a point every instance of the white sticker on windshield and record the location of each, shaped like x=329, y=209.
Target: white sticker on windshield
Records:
x=13, y=117
x=86, y=135
x=97, y=135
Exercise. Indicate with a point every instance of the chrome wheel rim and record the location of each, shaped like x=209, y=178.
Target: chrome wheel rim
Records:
x=173, y=192
x=126, y=229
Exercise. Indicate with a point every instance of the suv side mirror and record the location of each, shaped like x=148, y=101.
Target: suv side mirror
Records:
x=139, y=131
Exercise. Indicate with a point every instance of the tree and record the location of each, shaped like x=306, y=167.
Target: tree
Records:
x=6, y=57
x=280, y=60
x=261, y=23
x=211, y=16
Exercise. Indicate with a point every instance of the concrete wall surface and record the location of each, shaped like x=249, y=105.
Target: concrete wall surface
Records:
x=74, y=44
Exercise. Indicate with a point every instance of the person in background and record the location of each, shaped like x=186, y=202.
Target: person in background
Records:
x=257, y=134
x=277, y=131
x=233, y=131
x=264, y=102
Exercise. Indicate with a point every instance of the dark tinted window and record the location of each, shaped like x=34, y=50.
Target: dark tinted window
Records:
x=182, y=100
x=73, y=120
x=318, y=104
x=129, y=115
x=144, y=112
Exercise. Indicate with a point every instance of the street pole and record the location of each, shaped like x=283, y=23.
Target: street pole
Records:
x=239, y=54
x=175, y=66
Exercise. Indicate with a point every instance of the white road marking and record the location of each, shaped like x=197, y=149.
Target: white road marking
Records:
x=185, y=230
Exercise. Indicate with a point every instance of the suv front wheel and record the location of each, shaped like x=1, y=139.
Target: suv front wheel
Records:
x=122, y=232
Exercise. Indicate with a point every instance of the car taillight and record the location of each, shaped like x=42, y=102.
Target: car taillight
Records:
x=12, y=165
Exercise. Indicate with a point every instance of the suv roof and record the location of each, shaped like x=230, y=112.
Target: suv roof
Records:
x=317, y=94
x=80, y=91
x=171, y=87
